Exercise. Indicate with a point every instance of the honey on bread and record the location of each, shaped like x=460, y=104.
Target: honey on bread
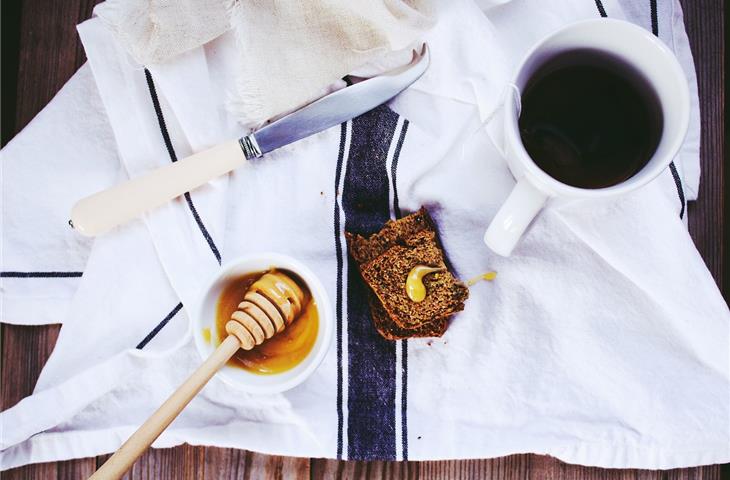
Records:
x=488, y=276
x=415, y=289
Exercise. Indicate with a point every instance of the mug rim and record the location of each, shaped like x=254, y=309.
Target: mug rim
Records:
x=252, y=263
x=640, y=178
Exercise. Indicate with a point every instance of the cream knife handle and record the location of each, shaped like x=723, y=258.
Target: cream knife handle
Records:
x=105, y=210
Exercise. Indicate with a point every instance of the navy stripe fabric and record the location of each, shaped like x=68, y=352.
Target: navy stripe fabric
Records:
x=40, y=274
x=188, y=199
x=601, y=10
x=173, y=158
x=404, y=343
x=159, y=327
x=654, y=18
x=394, y=168
x=680, y=189
x=404, y=399
x=371, y=359
x=338, y=248
x=672, y=166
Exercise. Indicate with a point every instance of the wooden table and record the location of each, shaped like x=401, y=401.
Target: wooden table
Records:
x=40, y=51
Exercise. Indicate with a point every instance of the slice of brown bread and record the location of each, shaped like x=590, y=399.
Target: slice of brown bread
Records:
x=386, y=275
x=394, y=231
x=399, y=232
x=390, y=331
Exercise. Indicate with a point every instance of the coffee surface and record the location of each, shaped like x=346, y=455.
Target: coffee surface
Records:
x=589, y=120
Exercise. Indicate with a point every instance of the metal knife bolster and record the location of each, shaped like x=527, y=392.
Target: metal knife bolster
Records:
x=250, y=147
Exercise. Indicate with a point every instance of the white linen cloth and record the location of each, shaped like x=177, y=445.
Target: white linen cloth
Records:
x=603, y=341
x=288, y=52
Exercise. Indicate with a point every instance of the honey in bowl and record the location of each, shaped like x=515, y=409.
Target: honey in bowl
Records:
x=283, y=351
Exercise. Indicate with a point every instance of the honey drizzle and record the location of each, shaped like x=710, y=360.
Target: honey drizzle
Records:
x=488, y=276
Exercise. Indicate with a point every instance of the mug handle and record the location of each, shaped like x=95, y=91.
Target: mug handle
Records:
x=513, y=217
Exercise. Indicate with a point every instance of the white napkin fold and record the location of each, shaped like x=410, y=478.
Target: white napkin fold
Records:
x=591, y=345
x=287, y=52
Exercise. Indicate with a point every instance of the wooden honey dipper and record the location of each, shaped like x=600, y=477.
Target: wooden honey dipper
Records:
x=272, y=303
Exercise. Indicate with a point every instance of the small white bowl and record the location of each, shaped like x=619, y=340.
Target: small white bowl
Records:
x=204, y=317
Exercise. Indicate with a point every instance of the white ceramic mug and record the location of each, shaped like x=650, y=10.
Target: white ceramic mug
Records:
x=636, y=47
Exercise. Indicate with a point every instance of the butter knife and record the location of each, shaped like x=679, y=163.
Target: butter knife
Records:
x=102, y=211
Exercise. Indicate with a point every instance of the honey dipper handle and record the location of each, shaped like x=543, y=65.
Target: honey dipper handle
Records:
x=135, y=445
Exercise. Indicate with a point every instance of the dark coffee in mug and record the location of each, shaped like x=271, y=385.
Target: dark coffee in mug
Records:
x=589, y=120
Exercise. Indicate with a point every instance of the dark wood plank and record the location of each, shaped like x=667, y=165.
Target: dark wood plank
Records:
x=71, y=469
x=182, y=462
x=548, y=468
x=9, y=48
x=256, y=465
x=709, y=221
x=25, y=351
x=40, y=471
x=333, y=469
x=80, y=468
x=50, y=52
x=188, y=462
x=709, y=472
x=514, y=467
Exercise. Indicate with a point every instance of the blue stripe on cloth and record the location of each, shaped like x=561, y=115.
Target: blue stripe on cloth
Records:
x=173, y=157
x=654, y=18
x=404, y=343
x=159, y=327
x=680, y=188
x=601, y=10
x=404, y=399
x=371, y=358
x=672, y=166
x=40, y=274
x=394, y=168
x=338, y=248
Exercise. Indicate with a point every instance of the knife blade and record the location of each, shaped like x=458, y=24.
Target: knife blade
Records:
x=102, y=211
x=327, y=111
